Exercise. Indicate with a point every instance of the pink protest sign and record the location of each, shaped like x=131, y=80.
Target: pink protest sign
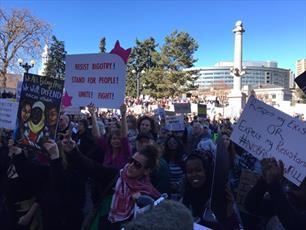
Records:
x=96, y=78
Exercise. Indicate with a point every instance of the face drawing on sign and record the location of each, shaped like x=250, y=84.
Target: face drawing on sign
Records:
x=51, y=117
x=34, y=128
x=24, y=116
x=25, y=112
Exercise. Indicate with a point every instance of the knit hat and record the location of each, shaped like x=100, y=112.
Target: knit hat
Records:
x=39, y=104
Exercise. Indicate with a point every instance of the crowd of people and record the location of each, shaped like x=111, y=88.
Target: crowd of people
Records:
x=99, y=168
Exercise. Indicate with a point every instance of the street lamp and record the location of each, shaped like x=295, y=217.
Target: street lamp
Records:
x=26, y=66
x=138, y=72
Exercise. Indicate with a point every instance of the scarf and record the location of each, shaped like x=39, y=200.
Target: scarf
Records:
x=36, y=128
x=122, y=205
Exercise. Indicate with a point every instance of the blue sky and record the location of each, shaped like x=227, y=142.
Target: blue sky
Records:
x=275, y=30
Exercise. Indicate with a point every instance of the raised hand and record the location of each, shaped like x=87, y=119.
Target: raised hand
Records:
x=92, y=108
x=52, y=149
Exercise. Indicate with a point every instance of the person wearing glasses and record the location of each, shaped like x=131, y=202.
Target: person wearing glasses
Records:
x=133, y=181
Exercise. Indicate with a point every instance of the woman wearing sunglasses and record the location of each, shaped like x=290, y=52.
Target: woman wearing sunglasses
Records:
x=133, y=181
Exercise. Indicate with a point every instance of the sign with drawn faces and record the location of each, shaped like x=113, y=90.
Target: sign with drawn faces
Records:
x=38, y=110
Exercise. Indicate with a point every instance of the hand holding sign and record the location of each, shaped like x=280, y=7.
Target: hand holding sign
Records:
x=52, y=149
x=92, y=108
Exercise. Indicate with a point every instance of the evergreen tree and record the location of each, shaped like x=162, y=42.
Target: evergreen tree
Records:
x=141, y=60
x=102, y=45
x=55, y=66
x=176, y=56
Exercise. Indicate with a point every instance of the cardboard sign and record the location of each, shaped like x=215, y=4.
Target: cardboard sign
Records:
x=95, y=78
x=202, y=111
x=266, y=132
x=247, y=180
x=182, y=107
x=175, y=123
x=8, y=113
x=38, y=110
x=301, y=81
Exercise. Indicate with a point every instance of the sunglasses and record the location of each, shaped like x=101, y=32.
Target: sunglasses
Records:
x=136, y=163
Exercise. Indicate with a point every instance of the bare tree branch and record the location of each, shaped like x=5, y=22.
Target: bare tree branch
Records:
x=21, y=33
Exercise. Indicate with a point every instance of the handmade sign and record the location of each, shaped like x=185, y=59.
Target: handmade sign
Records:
x=96, y=78
x=301, y=81
x=182, y=107
x=8, y=113
x=38, y=110
x=266, y=132
x=175, y=123
x=202, y=111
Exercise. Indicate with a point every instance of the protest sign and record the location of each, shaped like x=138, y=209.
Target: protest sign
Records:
x=202, y=111
x=182, y=107
x=301, y=81
x=169, y=113
x=97, y=78
x=200, y=227
x=38, y=110
x=18, y=90
x=8, y=113
x=175, y=123
x=266, y=132
x=247, y=180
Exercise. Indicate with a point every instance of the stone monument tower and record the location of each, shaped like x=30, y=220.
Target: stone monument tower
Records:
x=236, y=98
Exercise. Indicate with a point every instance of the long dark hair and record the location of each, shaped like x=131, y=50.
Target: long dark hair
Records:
x=152, y=122
x=178, y=152
x=196, y=198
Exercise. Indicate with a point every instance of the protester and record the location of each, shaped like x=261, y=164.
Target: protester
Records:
x=289, y=207
x=198, y=193
x=174, y=154
x=132, y=131
x=147, y=125
x=134, y=181
x=117, y=149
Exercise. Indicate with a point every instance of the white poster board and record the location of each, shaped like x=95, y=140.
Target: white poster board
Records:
x=175, y=123
x=265, y=132
x=8, y=113
x=95, y=78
